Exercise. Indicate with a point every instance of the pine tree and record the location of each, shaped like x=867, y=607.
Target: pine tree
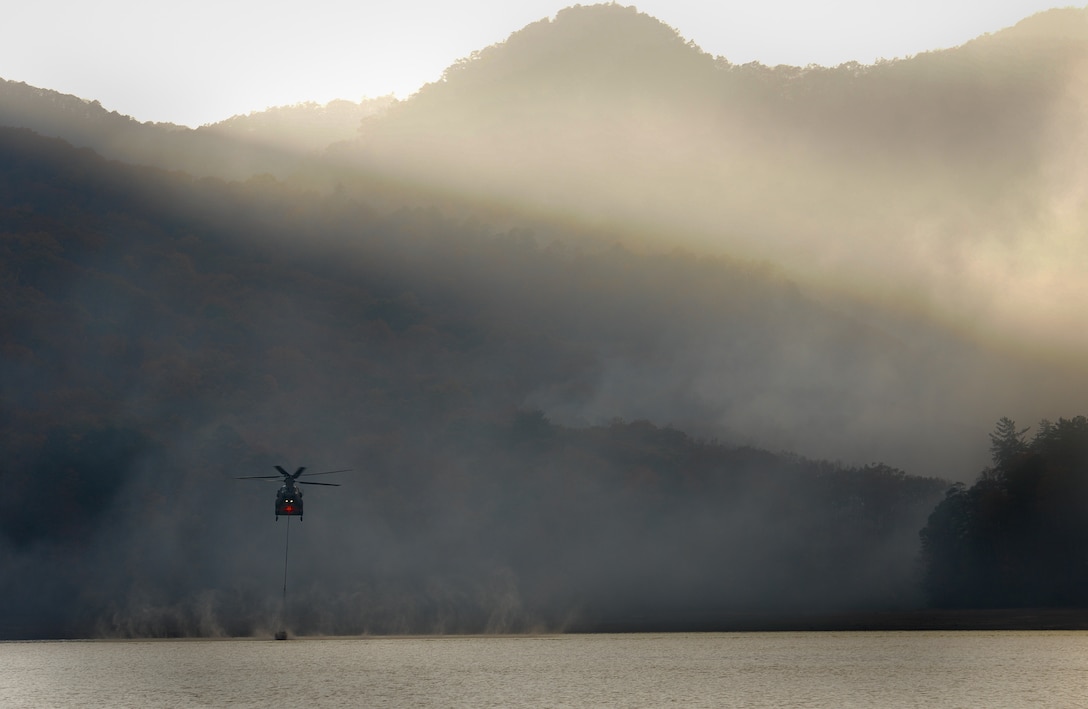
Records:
x=1007, y=443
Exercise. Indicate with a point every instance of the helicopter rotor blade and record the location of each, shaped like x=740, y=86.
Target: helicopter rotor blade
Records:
x=295, y=476
x=329, y=472
x=305, y=482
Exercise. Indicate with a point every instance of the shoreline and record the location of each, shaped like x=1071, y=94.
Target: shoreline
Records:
x=923, y=619
x=994, y=619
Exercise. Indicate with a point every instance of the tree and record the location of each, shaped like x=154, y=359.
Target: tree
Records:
x=1018, y=537
x=1007, y=443
x=945, y=550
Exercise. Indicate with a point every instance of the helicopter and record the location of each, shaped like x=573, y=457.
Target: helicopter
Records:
x=289, y=497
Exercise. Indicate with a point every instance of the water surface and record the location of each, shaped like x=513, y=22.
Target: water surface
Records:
x=812, y=670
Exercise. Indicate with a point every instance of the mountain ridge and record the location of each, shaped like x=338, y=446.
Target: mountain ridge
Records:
x=589, y=25
x=280, y=140
x=946, y=152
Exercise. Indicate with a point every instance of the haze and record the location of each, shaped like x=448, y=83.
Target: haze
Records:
x=201, y=62
x=608, y=326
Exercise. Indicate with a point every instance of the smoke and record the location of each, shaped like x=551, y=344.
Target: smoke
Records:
x=556, y=416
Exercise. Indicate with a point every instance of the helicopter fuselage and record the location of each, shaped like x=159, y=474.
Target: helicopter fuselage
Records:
x=289, y=502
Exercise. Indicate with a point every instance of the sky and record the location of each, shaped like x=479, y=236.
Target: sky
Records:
x=205, y=60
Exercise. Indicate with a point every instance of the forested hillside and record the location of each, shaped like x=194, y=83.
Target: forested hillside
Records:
x=165, y=334
x=943, y=183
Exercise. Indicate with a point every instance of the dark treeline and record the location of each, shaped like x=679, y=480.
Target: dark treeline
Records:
x=1018, y=536
x=515, y=526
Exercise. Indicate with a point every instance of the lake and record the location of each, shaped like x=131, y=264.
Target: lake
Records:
x=814, y=670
